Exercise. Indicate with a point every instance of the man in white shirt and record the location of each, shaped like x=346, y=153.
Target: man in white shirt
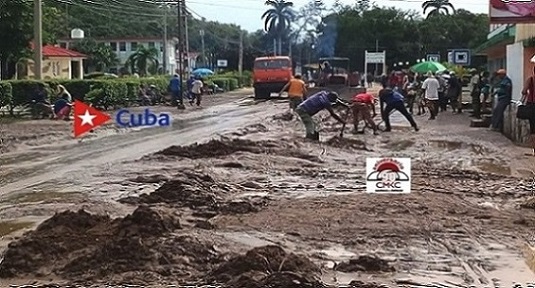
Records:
x=431, y=87
x=196, y=91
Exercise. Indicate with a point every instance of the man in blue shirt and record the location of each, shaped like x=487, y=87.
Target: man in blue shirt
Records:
x=503, y=90
x=314, y=104
x=394, y=101
x=175, y=87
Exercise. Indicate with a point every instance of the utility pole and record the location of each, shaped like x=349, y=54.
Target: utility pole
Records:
x=376, y=64
x=165, y=44
x=201, y=32
x=240, y=57
x=186, y=36
x=38, y=39
x=180, y=41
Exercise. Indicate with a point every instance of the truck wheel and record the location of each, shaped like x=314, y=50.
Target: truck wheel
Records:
x=261, y=94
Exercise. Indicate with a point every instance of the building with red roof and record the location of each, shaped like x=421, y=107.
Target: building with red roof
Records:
x=58, y=63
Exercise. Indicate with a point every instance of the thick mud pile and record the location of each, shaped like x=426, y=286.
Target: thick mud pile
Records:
x=199, y=192
x=365, y=264
x=140, y=247
x=226, y=146
x=266, y=266
x=347, y=143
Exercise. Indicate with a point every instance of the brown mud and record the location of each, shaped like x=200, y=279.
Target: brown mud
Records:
x=225, y=146
x=270, y=209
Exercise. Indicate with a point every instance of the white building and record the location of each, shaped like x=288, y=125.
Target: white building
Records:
x=125, y=47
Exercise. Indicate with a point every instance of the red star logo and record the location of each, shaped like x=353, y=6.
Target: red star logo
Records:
x=86, y=118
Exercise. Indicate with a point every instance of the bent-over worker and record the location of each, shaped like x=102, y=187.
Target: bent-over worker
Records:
x=394, y=101
x=314, y=104
x=363, y=106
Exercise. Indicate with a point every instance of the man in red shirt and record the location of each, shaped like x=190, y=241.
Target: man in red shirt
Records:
x=363, y=105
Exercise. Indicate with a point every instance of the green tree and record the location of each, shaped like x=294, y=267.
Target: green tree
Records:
x=278, y=19
x=100, y=56
x=142, y=60
x=16, y=22
x=437, y=7
x=54, y=24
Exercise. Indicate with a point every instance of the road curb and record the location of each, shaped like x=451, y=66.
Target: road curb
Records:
x=529, y=255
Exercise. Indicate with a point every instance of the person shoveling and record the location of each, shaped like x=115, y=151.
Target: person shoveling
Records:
x=314, y=104
x=296, y=94
x=362, y=107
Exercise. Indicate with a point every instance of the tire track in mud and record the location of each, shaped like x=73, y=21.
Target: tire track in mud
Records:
x=91, y=154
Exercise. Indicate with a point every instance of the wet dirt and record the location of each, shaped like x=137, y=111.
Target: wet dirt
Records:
x=8, y=227
x=228, y=146
x=265, y=266
x=347, y=143
x=82, y=246
x=460, y=223
x=365, y=264
x=458, y=145
x=200, y=192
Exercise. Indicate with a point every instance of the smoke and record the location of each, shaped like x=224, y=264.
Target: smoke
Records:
x=327, y=40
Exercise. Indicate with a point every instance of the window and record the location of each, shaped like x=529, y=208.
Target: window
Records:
x=113, y=46
x=152, y=44
x=122, y=46
x=272, y=64
x=133, y=46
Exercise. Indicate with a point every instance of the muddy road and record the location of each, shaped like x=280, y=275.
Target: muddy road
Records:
x=233, y=194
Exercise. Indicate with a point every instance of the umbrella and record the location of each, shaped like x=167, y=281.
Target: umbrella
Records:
x=202, y=72
x=427, y=66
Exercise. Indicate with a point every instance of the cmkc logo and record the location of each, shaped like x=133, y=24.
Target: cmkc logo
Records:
x=87, y=118
x=388, y=175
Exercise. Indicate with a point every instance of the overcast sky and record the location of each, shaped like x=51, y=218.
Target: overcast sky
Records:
x=246, y=13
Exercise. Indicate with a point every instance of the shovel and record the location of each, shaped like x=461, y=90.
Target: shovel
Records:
x=345, y=122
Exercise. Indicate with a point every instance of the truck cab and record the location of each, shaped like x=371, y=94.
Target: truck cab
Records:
x=270, y=74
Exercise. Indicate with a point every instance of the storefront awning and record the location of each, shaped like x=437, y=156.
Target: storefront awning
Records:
x=503, y=38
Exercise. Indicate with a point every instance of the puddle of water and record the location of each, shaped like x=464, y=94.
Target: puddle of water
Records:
x=42, y=196
x=9, y=227
x=494, y=167
x=338, y=253
x=456, y=145
x=399, y=145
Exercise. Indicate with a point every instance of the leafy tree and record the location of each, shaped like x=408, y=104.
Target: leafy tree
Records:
x=278, y=18
x=437, y=7
x=100, y=56
x=143, y=60
x=16, y=22
x=54, y=24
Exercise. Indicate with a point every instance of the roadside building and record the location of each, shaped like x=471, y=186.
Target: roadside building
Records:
x=511, y=46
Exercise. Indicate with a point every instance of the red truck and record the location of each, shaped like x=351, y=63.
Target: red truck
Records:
x=270, y=74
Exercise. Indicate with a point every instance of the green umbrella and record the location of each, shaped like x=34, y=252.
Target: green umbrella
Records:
x=427, y=66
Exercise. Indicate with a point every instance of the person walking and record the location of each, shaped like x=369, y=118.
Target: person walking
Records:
x=455, y=91
x=431, y=87
x=296, y=91
x=485, y=91
x=528, y=99
x=196, y=91
x=390, y=101
x=475, y=93
x=503, y=91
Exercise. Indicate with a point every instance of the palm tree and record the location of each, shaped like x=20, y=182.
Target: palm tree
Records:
x=437, y=7
x=278, y=18
x=142, y=60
